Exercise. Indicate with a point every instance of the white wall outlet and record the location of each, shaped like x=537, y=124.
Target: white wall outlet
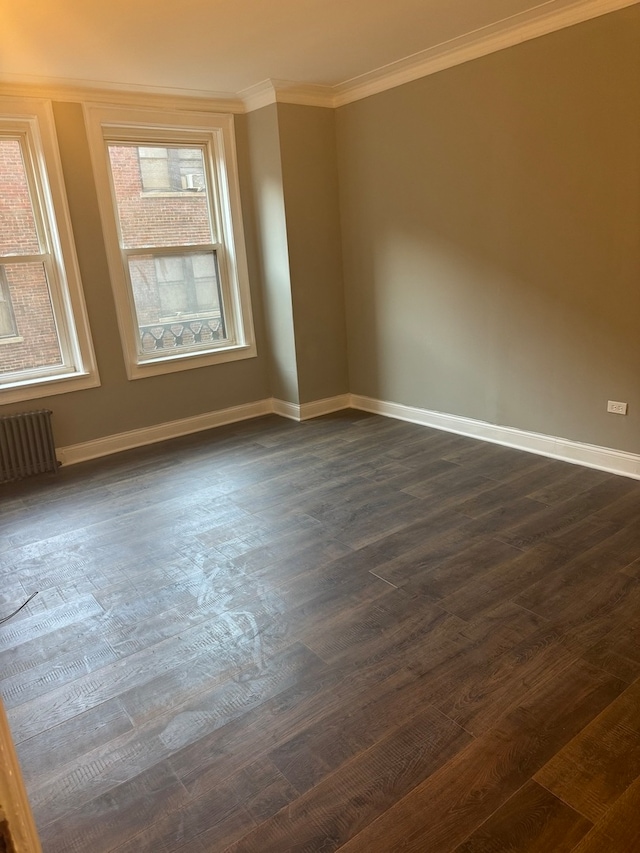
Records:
x=616, y=408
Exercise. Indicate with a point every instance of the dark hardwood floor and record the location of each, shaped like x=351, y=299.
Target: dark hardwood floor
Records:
x=349, y=634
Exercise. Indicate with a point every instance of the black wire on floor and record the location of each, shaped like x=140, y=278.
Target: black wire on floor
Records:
x=6, y=618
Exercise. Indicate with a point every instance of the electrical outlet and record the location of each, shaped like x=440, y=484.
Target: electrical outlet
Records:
x=616, y=408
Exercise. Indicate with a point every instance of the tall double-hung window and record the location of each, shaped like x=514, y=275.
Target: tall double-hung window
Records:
x=45, y=347
x=170, y=206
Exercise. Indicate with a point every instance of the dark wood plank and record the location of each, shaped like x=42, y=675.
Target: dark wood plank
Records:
x=45, y=753
x=564, y=515
x=88, y=775
x=109, y=819
x=446, y=808
x=336, y=738
x=618, y=652
x=469, y=563
x=594, y=769
x=531, y=821
x=349, y=799
x=507, y=579
x=221, y=816
x=476, y=692
x=619, y=830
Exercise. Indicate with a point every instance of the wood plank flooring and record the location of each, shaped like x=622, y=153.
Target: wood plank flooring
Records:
x=349, y=634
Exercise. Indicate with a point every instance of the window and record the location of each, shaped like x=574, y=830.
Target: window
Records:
x=44, y=339
x=170, y=206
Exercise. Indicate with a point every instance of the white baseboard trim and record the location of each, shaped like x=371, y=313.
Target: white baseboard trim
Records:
x=160, y=432
x=285, y=409
x=325, y=407
x=305, y=411
x=74, y=453
x=589, y=455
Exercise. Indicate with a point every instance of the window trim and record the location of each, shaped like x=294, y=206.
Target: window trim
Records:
x=139, y=125
x=33, y=118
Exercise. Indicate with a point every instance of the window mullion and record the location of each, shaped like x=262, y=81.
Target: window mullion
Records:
x=6, y=260
x=156, y=251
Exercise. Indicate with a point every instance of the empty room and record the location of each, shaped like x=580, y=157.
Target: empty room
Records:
x=320, y=427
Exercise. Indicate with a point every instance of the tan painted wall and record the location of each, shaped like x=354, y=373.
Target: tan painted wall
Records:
x=491, y=236
x=294, y=180
x=270, y=224
x=310, y=185
x=119, y=405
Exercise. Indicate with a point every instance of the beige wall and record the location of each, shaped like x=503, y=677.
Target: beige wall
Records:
x=294, y=179
x=491, y=236
x=310, y=186
x=271, y=239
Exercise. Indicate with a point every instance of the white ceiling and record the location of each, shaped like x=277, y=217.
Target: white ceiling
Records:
x=222, y=47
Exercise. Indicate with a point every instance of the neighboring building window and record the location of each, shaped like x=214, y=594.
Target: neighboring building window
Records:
x=171, y=213
x=44, y=334
x=7, y=318
x=171, y=169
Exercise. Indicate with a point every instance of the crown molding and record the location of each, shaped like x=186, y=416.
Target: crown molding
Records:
x=286, y=92
x=508, y=32
x=304, y=94
x=129, y=95
x=260, y=95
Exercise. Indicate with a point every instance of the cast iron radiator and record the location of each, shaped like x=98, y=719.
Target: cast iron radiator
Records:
x=26, y=445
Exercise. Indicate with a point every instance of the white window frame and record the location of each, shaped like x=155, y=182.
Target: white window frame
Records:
x=32, y=121
x=137, y=126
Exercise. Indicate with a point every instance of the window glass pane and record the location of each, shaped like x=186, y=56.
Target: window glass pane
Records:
x=177, y=300
x=39, y=347
x=161, y=200
x=7, y=325
x=18, y=235
x=7, y=319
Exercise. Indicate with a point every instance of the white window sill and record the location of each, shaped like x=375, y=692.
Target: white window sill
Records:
x=31, y=389
x=187, y=361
